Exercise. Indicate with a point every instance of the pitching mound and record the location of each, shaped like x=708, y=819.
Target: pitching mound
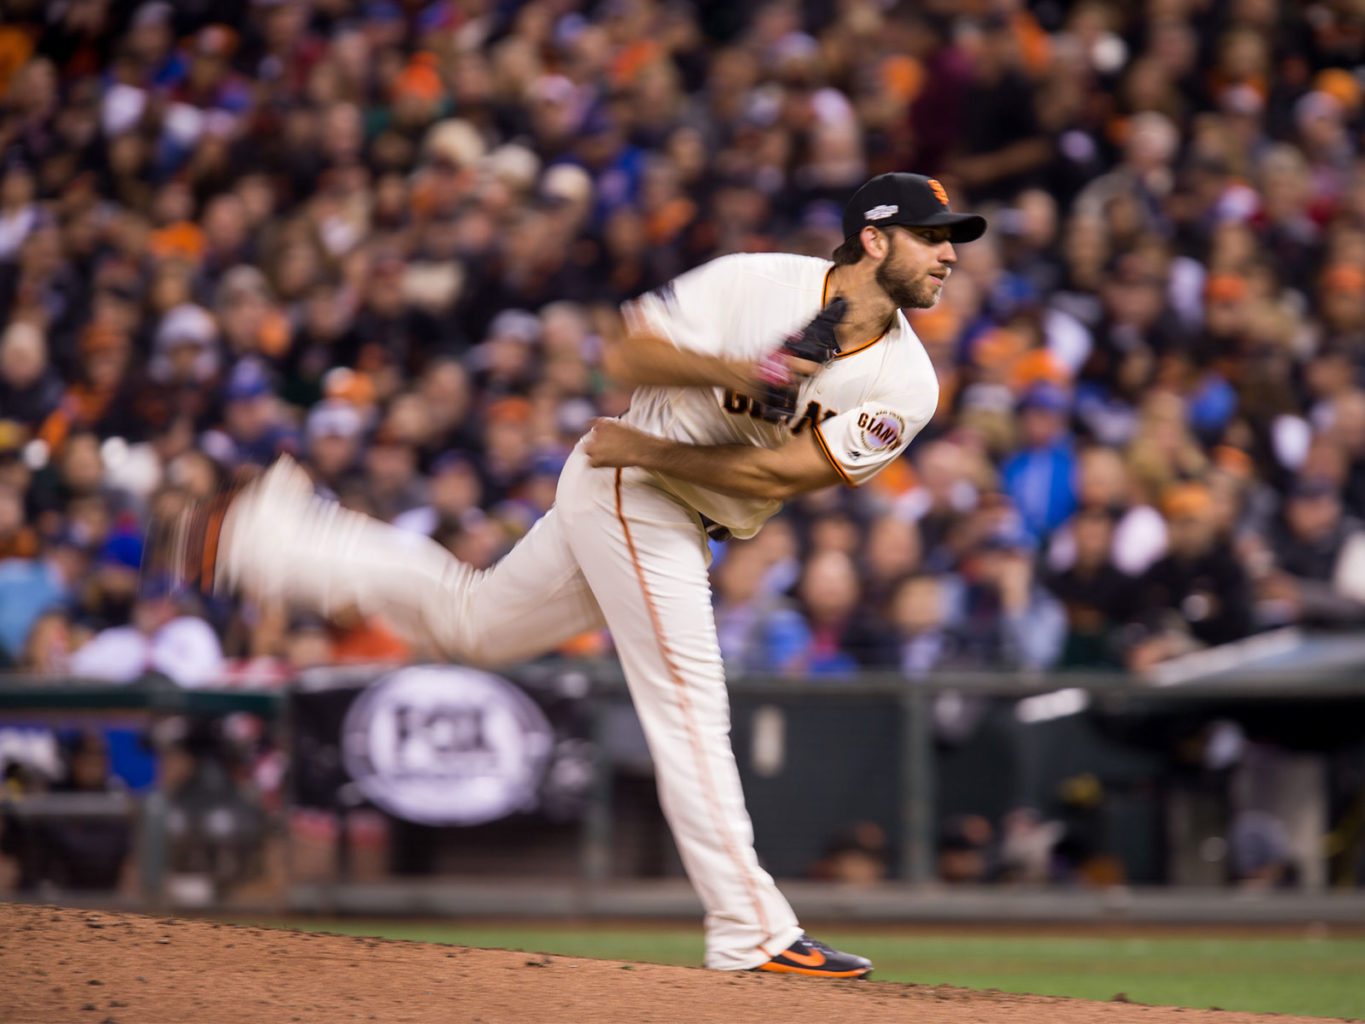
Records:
x=75, y=966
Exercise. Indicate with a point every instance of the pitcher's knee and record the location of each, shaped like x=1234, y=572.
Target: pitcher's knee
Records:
x=472, y=648
x=453, y=619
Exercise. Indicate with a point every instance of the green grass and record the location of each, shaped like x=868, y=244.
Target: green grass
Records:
x=1281, y=974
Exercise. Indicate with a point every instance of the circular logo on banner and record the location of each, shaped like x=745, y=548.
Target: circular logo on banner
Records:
x=444, y=745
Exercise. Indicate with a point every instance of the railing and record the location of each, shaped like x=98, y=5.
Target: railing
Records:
x=1337, y=693
x=1332, y=700
x=75, y=704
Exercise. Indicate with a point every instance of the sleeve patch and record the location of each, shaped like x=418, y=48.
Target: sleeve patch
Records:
x=880, y=429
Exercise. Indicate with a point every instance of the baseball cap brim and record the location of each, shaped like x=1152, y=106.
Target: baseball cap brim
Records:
x=963, y=227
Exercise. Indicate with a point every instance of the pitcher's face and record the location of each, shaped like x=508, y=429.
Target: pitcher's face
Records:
x=916, y=265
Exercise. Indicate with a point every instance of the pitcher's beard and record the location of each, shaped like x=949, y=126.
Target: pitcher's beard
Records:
x=919, y=294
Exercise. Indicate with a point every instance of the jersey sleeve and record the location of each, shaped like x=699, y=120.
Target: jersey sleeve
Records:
x=865, y=440
x=689, y=310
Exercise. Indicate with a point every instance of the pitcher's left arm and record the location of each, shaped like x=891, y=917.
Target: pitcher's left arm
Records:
x=743, y=470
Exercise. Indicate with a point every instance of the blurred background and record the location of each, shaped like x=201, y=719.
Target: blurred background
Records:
x=1097, y=631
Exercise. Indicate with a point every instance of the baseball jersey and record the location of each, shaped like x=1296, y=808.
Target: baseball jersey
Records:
x=863, y=407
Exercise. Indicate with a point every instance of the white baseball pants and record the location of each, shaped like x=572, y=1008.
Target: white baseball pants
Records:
x=615, y=550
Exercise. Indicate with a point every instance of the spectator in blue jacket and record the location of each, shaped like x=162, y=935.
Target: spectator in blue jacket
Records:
x=1041, y=476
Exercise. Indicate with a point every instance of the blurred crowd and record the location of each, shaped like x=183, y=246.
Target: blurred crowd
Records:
x=388, y=237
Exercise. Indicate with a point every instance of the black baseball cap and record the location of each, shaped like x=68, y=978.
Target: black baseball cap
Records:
x=911, y=200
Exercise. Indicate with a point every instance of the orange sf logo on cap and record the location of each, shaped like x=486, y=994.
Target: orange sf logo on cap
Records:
x=940, y=193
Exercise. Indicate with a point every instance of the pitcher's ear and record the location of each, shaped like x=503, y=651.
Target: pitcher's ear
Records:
x=876, y=242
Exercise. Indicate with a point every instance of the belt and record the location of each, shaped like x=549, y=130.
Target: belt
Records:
x=715, y=530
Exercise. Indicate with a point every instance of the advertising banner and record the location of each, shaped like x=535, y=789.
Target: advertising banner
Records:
x=439, y=745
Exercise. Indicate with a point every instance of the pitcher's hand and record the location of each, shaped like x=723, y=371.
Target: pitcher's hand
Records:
x=611, y=443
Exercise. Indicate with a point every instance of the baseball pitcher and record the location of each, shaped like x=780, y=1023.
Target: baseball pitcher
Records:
x=757, y=377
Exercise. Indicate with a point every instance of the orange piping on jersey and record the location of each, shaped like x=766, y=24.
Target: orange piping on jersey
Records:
x=824, y=447
x=864, y=345
x=824, y=301
x=705, y=781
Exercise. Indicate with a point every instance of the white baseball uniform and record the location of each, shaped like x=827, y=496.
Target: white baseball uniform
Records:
x=625, y=548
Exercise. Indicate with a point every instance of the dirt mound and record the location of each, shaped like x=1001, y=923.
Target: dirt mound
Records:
x=74, y=966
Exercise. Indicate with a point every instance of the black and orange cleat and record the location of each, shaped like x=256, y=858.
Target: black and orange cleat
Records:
x=807, y=956
x=183, y=549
